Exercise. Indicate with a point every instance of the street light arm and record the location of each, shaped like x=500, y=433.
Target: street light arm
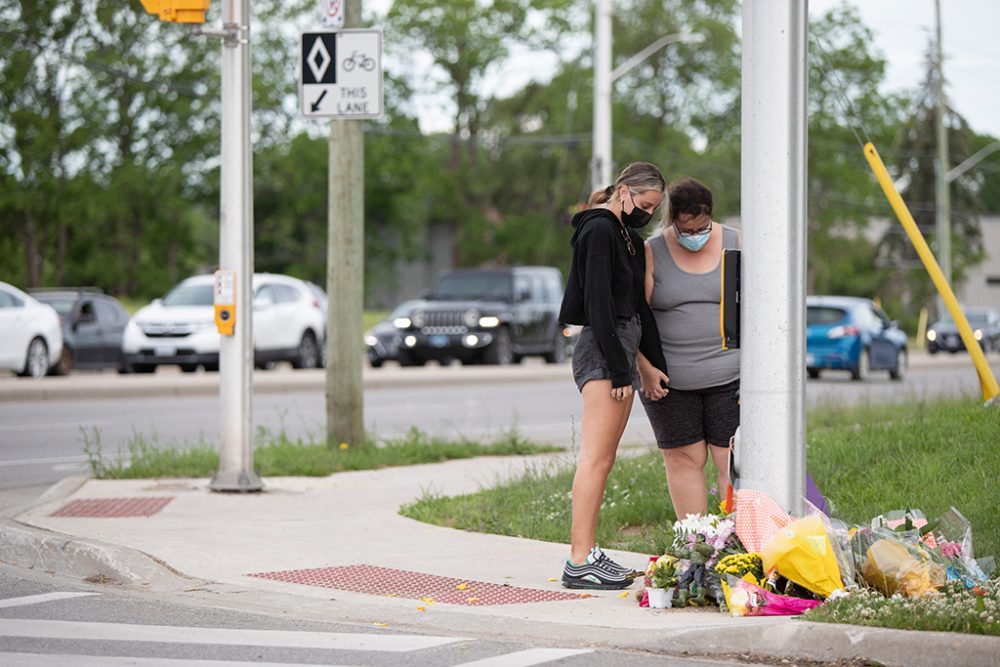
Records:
x=971, y=161
x=689, y=38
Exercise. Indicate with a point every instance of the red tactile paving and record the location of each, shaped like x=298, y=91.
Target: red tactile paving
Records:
x=113, y=507
x=415, y=585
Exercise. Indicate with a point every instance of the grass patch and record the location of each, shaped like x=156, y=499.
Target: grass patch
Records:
x=867, y=461
x=278, y=456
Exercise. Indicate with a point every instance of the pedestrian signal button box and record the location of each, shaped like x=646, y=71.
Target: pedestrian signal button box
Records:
x=225, y=302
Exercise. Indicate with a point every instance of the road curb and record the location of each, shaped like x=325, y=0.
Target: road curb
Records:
x=33, y=548
x=98, y=386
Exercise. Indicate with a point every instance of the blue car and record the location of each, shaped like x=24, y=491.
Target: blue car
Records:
x=852, y=334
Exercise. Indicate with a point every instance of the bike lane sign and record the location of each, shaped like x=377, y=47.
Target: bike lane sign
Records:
x=340, y=74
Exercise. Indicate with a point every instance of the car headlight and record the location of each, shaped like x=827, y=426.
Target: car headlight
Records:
x=419, y=318
x=978, y=333
x=489, y=322
x=371, y=340
x=932, y=335
x=471, y=317
x=402, y=323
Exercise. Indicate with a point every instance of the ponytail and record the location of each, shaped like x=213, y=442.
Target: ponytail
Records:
x=601, y=196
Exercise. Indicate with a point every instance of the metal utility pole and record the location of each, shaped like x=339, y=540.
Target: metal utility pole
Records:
x=345, y=273
x=236, y=471
x=600, y=164
x=773, y=276
x=942, y=213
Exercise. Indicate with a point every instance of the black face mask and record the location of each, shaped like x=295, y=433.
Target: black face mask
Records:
x=637, y=218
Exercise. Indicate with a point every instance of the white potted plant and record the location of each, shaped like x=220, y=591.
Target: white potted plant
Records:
x=662, y=574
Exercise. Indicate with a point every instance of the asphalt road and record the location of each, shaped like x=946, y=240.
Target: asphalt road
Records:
x=48, y=621
x=42, y=440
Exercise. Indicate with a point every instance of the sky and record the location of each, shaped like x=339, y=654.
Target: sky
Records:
x=903, y=29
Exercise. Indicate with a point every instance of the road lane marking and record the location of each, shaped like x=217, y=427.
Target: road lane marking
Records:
x=534, y=656
x=50, y=659
x=52, y=459
x=41, y=597
x=341, y=641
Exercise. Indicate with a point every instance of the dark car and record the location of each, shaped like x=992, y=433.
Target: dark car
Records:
x=92, y=326
x=491, y=316
x=985, y=323
x=852, y=334
x=382, y=341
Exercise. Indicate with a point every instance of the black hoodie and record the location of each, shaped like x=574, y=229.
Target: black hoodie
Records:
x=605, y=284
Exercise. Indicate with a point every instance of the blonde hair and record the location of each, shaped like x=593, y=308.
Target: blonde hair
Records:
x=638, y=176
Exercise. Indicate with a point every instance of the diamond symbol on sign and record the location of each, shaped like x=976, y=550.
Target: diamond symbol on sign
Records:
x=318, y=60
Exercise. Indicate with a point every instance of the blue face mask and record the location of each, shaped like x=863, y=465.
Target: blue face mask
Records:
x=695, y=242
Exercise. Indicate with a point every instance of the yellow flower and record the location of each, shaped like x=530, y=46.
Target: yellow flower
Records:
x=344, y=445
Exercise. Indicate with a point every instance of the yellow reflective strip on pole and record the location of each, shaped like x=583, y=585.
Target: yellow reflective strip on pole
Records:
x=986, y=379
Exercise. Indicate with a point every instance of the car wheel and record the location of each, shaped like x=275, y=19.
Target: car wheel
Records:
x=375, y=363
x=65, y=363
x=898, y=372
x=932, y=349
x=813, y=373
x=189, y=368
x=558, y=353
x=407, y=358
x=36, y=364
x=500, y=352
x=861, y=371
x=143, y=368
x=212, y=367
x=307, y=355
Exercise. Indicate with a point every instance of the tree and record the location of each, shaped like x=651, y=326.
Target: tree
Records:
x=917, y=152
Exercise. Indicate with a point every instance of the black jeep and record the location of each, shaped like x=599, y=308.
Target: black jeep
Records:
x=491, y=316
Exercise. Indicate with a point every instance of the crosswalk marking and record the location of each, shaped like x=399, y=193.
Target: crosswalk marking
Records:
x=53, y=659
x=223, y=636
x=534, y=656
x=41, y=597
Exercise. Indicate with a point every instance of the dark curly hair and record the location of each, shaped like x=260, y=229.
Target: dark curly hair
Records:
x=689, y=196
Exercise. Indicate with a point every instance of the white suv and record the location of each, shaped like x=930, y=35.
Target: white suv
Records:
x=179, y=329
x=30, y=334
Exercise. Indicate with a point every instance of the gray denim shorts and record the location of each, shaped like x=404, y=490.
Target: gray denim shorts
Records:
x=588, y=362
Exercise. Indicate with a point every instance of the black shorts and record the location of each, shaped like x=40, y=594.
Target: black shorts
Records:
x=685, y=417
x=588, y=362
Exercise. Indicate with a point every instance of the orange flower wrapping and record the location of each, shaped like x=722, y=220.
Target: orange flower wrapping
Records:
x=892, y=568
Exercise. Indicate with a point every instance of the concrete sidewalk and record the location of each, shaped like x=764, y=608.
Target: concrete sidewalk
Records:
x=315, y=537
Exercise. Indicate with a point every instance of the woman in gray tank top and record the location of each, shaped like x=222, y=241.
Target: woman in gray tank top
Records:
x=699, y=412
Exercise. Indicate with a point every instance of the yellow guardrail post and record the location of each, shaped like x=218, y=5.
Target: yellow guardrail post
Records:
x=987, y=382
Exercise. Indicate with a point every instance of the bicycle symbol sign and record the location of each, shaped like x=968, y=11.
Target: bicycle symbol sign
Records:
x=340, y=74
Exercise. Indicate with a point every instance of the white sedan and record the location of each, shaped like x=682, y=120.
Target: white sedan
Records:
x=30, y=335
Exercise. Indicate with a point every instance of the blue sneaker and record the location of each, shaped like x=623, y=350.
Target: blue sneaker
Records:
x=598, y=573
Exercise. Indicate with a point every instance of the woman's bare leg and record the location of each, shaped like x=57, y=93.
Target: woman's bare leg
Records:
x=604, y=420
x=685, y=467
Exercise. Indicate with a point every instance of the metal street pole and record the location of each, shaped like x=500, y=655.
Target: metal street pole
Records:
x=346, y=273
x=236, y=471
x=773, y=277
x=600, y=164
x=604, y=78
x=942, y=213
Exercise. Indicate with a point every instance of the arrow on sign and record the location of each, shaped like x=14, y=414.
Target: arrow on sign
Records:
x=315, y=105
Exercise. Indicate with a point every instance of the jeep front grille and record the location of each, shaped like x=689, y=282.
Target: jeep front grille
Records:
x=443, y=318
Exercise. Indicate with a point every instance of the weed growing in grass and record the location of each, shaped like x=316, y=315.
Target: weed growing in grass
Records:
x=954, y=609
x=278, y=455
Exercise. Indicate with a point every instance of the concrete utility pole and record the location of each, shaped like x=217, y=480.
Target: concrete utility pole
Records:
x=773, y=276
x=236, y=471
x=345, y=270
x=942, y=213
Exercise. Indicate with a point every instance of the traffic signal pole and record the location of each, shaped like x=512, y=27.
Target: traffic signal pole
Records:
x=236, y=471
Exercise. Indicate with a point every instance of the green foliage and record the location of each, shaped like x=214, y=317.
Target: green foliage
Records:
x=277, y=455
x=955, y=609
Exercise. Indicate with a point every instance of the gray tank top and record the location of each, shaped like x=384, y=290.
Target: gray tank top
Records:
x=686, y=308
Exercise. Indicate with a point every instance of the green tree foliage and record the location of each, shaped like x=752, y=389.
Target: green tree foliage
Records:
x=917, y=155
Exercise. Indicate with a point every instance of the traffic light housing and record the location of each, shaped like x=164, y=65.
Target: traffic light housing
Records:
x=178, y=11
